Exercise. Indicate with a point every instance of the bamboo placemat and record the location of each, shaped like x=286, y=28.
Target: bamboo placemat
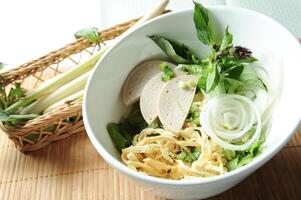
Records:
x=72, y=169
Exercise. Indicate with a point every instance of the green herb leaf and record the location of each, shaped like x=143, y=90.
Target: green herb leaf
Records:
x=189, y=157
x=90, y=34
x=2, y=65
x=135, y=119
x=227, y=40
x=201, y=21
x=213, y=77
x=168, y=73
x=194, y=114
x=191, y=69
x=232, y=164
x=179, y=53
x=244, y=157
x=119, y=141
x=16, y=119
x=156, y=124
x=229, y=154
x=250, y=78
x=32, y=137
x=14, y=95
x=234, y=72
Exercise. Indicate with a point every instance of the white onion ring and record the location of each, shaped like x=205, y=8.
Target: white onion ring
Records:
x=239, y=113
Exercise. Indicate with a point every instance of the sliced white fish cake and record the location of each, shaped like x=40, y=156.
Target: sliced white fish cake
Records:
x=138, y=78
x=175, y=101
x=150, y=96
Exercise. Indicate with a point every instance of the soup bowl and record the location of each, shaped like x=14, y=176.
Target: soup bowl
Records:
x=103, y=102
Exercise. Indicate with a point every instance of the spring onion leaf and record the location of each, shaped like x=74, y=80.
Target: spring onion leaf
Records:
x=90, y=34
x=179, y=53
x=56, y=82
x=202, y=24
x=168, y=73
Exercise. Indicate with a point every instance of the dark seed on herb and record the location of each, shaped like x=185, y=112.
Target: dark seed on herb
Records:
x=242, y=52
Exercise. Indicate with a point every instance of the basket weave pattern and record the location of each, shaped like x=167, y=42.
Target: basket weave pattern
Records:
x=55, y=125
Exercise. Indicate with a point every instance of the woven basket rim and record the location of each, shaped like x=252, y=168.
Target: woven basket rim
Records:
x=19, y=133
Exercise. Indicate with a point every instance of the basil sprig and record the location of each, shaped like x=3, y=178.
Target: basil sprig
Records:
x=227, y=66
x=179, y=53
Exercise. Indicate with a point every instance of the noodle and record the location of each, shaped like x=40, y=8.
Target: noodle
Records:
x=154, y=152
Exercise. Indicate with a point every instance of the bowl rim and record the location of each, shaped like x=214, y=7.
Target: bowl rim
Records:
x=252, y=166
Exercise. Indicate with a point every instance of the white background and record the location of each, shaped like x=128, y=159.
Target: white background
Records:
x=31, y=28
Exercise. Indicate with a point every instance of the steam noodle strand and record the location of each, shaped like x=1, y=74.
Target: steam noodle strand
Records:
x=154, y=152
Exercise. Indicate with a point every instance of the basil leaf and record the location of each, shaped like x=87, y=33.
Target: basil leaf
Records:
x=168, y=73
x=234, y=72
x=213, y=77
x=119, y=141
x=179, y=53
x=227, y=62
x=90, y=34
x=135, y=119
x=227, y=40
x=201, y=21
x=250, y=77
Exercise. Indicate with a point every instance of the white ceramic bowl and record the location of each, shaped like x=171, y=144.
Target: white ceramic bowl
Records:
x=102, y=102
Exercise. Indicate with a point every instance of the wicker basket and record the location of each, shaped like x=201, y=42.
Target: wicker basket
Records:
x=66, y=120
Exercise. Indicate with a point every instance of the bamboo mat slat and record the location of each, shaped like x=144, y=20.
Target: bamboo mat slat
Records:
x=72, y=169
